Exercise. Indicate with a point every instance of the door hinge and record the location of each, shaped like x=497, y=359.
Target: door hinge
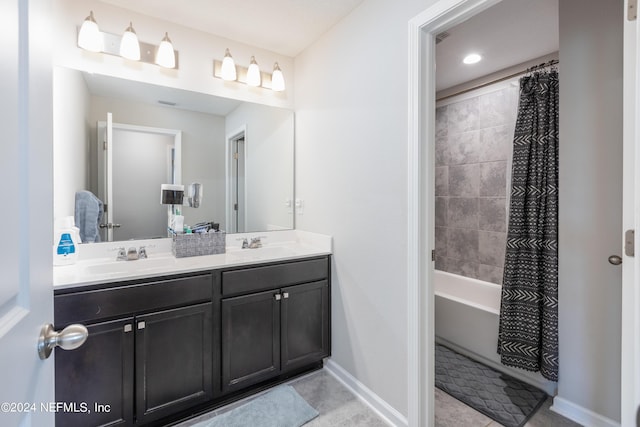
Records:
x=235, y=206
x=104, y=145
x=632, y=10
x=235, y=156
x=433, y=255
x=629, y=243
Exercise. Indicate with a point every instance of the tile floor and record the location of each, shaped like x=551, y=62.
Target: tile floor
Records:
x=339, y=407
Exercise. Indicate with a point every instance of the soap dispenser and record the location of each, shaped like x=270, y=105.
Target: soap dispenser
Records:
x=66, y=240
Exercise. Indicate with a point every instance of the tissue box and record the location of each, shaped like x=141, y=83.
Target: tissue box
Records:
x=196, y=244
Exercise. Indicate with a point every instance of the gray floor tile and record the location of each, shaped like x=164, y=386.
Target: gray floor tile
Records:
x=547, y=418
x=450, y=412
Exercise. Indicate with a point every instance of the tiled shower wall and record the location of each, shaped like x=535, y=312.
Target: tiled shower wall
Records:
x=473, y=148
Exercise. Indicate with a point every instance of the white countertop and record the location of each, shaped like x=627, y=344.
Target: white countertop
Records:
x=97, y=265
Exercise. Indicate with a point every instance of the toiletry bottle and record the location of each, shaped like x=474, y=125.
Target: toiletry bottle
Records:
x=65, y=243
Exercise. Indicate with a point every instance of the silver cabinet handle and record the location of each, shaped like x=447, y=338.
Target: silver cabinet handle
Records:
x=615, y=260
x=278, y=297
x=285, y=295
x=70, y=338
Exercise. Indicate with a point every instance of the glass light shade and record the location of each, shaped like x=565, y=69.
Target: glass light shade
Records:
x=253, y=73
x=472, y=58
x=228, y=71
x=89, y=37
x=277, y=79
x=129, y=46
x=165, y=57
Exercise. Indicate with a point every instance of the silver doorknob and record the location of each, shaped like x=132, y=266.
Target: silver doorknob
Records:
x=70, y=338
x=615, y=260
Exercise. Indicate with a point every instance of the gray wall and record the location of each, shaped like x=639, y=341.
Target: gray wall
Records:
x=590, y=203
x=473, y=147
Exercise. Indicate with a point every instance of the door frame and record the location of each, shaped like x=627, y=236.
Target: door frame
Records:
x=421, y=206
x=229, y=139
x=421, y=210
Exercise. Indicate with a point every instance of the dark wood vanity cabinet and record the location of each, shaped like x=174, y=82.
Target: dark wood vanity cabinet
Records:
x=270, y=332
x=153, y=360
x=162, y=349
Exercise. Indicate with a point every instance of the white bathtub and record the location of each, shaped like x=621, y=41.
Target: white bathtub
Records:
x=466, y=316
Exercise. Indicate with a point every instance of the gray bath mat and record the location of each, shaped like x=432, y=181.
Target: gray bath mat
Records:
x=502, y=398
x=280, y=407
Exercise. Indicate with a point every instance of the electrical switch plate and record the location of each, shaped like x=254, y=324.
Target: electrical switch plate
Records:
x=299, y=206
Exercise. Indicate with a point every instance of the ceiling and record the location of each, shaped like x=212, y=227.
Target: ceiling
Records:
x=507, y=34
x=285, y=27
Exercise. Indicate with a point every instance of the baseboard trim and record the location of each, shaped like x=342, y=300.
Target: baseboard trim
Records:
x=385, y=411
x=580, y=415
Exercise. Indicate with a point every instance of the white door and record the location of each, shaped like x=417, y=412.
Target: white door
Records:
x=630, y=364
x=26, y=293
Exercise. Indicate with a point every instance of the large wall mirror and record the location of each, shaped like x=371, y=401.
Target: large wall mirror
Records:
x=240, y=153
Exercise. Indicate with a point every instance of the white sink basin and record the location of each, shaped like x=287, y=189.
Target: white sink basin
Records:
x=117, y=267
x=266, y=252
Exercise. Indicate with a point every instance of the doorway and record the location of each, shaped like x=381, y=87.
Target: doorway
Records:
x=236, y=181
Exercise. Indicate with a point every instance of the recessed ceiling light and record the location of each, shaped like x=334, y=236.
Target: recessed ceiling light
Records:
x=472, y=58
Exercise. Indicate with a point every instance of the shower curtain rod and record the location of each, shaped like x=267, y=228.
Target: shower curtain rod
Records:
x=501, y=79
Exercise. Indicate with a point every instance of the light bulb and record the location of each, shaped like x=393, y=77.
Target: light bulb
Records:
x=277, y=79
x=472, y=58
x=165, y=57
x=253, y=73
x=228, y=71
x=129, y=45
x=89, y=37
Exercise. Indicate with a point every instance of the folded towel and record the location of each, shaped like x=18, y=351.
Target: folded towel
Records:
x=88, y=215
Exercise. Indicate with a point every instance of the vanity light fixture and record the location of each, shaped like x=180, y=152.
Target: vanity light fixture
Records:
x=165, y=56
x=253, y=73
x=251, y=76
x=277, y=79
x=129, y=45
x=89, y=37
x=126, y=45
x=228, y=70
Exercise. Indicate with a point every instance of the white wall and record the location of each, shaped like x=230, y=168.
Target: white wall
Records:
x=351, y=159
x=71, y=99
x=202, y=148
x=197, y=50
x=590, y=204
x=269, y=164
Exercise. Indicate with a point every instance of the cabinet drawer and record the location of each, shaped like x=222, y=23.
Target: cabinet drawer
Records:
x=274, y=276
x=88, y=306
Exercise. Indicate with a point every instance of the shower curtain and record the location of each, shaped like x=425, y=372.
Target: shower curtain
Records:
x=528, y=333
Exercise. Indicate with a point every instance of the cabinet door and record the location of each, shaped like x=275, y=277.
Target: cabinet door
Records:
x=250, y=339
x=305, y=324
x=99, y=375
x=174, y=361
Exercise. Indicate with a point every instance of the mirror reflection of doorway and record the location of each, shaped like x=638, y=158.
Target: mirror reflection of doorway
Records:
x=238, y=184
x=134, y=161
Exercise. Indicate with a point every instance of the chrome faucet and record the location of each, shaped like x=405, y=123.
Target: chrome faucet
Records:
x=132, y=254
x=142, y=253
x=122, y=255
x=256, y=242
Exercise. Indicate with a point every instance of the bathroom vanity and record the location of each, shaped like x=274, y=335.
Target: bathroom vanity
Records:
x=167, y=346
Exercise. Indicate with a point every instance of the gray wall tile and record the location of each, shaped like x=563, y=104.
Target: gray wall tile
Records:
x=492, y=215
x=496, y=108
x=491, y=248
x=462, y=244
x=442, y=211
x=441, y=121
x=464, y=180
x=491, y=274
x=442, y=181
x=441, y=241
x=464, y=148
x=463, y=116
x=463, y=212
x=442, y=151
x=493, y=179
x=496, y=143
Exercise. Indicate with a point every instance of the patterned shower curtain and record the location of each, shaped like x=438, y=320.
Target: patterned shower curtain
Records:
x=528, y=334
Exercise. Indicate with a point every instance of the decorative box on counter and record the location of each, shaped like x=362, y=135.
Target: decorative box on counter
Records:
x=196, y=244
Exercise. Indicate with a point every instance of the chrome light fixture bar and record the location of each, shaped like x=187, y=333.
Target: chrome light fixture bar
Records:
x=223, y=70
